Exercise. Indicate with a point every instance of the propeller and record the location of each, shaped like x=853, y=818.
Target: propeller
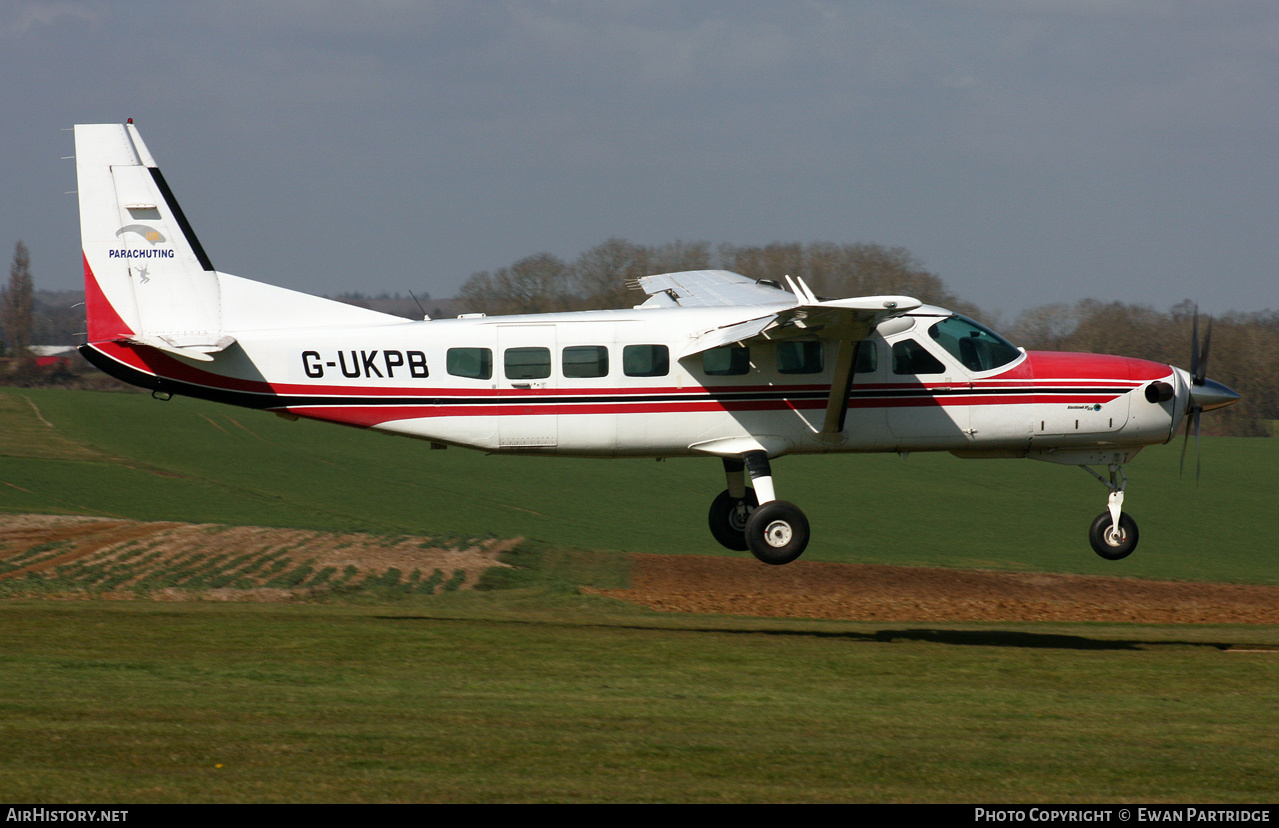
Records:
x=1205, y=394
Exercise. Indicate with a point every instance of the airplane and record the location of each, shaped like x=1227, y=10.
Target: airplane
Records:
x=712, y=364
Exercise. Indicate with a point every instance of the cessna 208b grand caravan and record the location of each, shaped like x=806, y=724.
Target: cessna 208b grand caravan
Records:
x=713, y=364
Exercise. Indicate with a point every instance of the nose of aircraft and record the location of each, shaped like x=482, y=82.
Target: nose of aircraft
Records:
x=1209, y=394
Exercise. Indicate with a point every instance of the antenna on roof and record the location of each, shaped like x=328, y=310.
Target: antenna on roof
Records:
x=425, y=316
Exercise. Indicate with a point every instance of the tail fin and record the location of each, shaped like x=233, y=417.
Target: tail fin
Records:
x=147, y=279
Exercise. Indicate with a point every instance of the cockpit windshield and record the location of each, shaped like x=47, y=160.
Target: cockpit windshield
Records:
x=978, y=348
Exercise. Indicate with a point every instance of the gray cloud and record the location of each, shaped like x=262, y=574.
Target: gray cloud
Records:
x=1027, y=152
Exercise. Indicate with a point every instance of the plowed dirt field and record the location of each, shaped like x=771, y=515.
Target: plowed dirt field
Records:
x=59, y=555
x=811, y=589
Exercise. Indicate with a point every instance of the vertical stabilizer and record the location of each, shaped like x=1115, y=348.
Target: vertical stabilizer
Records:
x=146, y=276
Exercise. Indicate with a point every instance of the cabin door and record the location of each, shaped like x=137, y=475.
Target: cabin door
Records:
x=526, y=373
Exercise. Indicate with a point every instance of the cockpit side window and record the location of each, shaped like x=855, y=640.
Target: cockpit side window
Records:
x=977, y=348
x=909, y=357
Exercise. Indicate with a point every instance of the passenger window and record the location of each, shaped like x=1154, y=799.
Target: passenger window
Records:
x=646, y=361
x=726, y=362
x=909, y=357
x=584, y=361
x=799, y=357
x=476, y=363
x=527, y=363
x=866, y=360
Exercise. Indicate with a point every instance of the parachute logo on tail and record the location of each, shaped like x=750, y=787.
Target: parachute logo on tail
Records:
x=149, y=233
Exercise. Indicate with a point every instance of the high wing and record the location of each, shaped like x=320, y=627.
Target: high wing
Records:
x=806, y=317
x=708, y=288
x=845, y=321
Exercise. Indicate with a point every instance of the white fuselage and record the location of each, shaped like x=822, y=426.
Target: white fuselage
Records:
x=588, y=383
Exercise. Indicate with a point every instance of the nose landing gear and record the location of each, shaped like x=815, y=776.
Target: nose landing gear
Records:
x=1113, y=534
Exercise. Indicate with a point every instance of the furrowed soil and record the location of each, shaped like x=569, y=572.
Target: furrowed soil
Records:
x=60, y=555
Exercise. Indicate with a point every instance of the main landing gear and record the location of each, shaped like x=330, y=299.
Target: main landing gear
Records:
x=1113, y=534
x=773, y=530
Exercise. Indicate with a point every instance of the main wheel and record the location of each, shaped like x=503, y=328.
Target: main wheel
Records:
x=1110, y=544
x=777, y=532
x=728, y=516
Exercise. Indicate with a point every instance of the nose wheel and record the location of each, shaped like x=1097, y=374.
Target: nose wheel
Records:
x=1113, y=534
x=1111, y=542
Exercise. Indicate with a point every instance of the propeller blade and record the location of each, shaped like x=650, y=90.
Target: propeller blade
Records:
x=1203, y=357
x=1181, y=470
x=1194, y=347
x=1205, y=394
x=1197, y=412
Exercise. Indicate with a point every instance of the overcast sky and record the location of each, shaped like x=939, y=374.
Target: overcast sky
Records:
x=1026, y=152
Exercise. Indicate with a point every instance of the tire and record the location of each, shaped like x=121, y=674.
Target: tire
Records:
x=1105, y=544
x=728, y=521
x=777, y=532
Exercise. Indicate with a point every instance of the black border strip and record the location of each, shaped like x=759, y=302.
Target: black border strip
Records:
x=172, y=203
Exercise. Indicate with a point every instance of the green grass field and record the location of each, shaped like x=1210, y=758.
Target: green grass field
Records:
x=489, y=698
x=536, y=693
x=130, y=456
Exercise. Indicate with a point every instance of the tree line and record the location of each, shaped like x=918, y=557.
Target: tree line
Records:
x=605, y=275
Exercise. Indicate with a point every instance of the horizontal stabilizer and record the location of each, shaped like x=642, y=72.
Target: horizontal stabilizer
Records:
x=197, y=350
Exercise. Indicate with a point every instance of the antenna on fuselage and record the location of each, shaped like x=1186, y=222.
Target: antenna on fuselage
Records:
x=426, y=317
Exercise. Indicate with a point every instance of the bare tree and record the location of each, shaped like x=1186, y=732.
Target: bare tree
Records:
x=16, y=304
x=839, y=270
x=604, y=275
x=535, y=284
x=675, y=256
x=1044, y=327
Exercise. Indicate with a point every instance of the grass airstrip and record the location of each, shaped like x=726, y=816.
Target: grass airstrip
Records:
x=529, y=690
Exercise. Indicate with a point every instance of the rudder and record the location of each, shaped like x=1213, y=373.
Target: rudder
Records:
x=147, y=278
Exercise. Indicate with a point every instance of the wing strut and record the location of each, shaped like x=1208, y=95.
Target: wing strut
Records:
x=841, y=382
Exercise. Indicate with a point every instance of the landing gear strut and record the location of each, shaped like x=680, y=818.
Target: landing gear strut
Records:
x=1113, y=534
x=776, y=532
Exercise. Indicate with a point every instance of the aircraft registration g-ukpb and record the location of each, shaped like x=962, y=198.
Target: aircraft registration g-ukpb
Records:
x=712, y=364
